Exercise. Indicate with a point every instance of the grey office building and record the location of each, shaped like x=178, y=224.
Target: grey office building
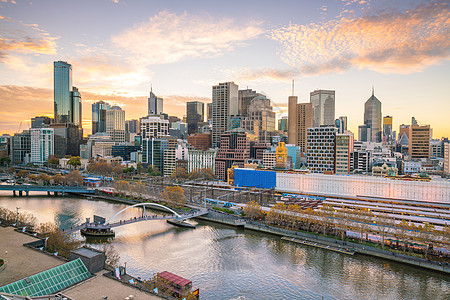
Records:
x=99, y=116
x=225, y=105
x=155, y=104
x=195, y=113
x=372, y=118
x=323, y=107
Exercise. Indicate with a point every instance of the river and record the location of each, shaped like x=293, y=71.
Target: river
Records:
x=230, y=263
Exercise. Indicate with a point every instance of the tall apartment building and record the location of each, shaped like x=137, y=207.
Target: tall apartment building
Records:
x=200, y=159
x=372, y=118
x=225, y=104
x=153, y=152
x=21, y=147
x=234, y=149
x=195, y=114
x=321, y=149
x=99, y=116
x=419, y=141
x=67, y=99
x=447, y=159
x=360, y=161
x=154, y=126
x=115, y=124
x=300, y=116
x=260, y=110
x=67, y=139
x=155, y=104
x=209, y=111
x=344, y=148
x=42, y=145
x=323, y=107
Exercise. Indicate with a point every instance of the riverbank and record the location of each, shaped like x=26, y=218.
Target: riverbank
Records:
x=309, y=239
x=24, y=261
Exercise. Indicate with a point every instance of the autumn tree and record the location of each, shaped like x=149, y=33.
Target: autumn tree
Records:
x=179, y=173
x=74, y=161
x=425, y=232
x=57, y=241
x=53, y=160
x=22, y=174
x=153, y=171
x=74, y=178
x=253, y=210
x=101, y=168
x=59, y=179
x=174, y=195
x=139, y=189
x=43, y=179
x=122, y=187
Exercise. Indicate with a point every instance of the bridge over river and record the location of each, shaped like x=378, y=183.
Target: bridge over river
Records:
x=55, y=189
x=107, y=225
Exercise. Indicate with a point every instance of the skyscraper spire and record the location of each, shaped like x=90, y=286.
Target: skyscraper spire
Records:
x=292, y=87
x=373, y=91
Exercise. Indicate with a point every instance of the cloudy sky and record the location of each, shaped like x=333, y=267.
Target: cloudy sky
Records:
x=118, y=48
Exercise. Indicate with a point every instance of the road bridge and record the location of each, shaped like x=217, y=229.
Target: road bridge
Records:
x=55, y=189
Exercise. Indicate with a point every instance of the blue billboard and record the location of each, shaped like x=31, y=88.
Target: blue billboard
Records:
x=255, y=178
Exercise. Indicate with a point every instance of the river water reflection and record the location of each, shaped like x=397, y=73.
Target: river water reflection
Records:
x=229, y=263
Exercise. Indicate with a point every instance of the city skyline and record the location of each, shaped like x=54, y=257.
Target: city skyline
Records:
x=194, y=48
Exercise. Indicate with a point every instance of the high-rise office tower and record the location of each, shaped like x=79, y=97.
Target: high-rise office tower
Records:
x=115, y=124
x=323, y=105
x=341, y=124
x=154, y=127
x=447, y=159
x=62, y=89
x=300, y=118
x=41, y=145
x=76, y=107
x=195, y=113
x=344, y=148
x=99, y=116
x=364, y=133
x=260, y=110
x=419, y=141
x=283, y=124
x=155, y=104
x=321, y=149
x=225, y=104
x=388, y=134
x=67, y=139
x=209, y=111
x=372, y=118
x=40, y=122
x=245, y=97
x=132, y=126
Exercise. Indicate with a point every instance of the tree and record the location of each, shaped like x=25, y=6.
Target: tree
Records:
x=118, y=169
x=22, y=173
x=59, y=179
x=139, y=168
x=74, y=178
x=43, y=179
x=139, y=188
x=74, y=161
x=53, y=160
x=4, y=161
x=153, y=171
x=425, y=232
x=253, y=210
x=129, y=170
x=11, y=170
x=101, y=168
x=179, y=173
x=174, y=195
x=57, y=240
x=122, y=187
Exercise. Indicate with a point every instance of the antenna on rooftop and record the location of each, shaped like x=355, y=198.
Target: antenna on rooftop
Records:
x=292, y=87
x=373, y=90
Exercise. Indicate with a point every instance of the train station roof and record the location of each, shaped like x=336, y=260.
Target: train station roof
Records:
x=50, y=281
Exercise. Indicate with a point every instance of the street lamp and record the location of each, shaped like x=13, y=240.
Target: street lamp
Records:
x=17, y=219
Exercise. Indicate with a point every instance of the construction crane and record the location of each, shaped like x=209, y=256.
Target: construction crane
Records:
x=20, y=126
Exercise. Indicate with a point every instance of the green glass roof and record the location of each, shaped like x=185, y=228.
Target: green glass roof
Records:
x=49, y=281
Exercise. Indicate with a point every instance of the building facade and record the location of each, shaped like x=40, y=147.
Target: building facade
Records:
x=195, y=114
x=99, y=116
x=225, y=104
x=67, y=99
x=372, y=118
x=200, y=141
x=344, y=147
x=234, y=149
x=260, y=110
x=446, y=159
x=155, y=104
x=40, y=122
x=321, y=149
x=388, y=134
x=21, y=147
x=419, y=141
x=115, y=124
x=154, y=126
x=323, y=107
x=67, y=139
x=201, y=159
x=153, y=152
x=42, y=145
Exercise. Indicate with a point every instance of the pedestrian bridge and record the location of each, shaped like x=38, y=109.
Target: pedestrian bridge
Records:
x=46, y=188
x=176, y=217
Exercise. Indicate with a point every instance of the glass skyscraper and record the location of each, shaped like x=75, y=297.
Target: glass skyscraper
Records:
x=62, y=92
x=323, y=107
x=372, y=118
x=99, y=116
